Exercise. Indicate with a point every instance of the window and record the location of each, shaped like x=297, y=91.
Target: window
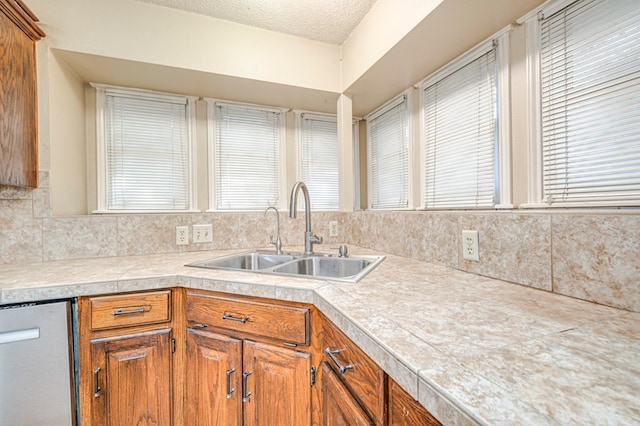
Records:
x=246, y=148
x=461, y=132
x=318, y=139
x=145, y=146
x=586, y=67
x=388, y=151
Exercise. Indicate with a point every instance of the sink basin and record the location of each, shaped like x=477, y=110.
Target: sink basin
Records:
x=253, y=261
x=331, y=267
x=350, y=269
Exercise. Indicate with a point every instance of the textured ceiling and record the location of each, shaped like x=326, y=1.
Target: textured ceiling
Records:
x=329, y=21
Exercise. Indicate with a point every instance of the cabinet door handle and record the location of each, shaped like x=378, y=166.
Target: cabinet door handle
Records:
x=139, y=310
x=230, y=390
x=227, y=316
x=332, y=354
x=96, y=385
x=245, y=393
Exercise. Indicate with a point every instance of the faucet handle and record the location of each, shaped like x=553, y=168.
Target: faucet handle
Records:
x=315, y=239
x=276, y=242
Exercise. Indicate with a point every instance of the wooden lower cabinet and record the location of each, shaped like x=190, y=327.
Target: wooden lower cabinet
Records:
x=235, y=376
x=406, y=411
x=339, y=407
x=213, y=379
x=132, y=379
x=234, y=382
x=191, y=357
x=126, y=359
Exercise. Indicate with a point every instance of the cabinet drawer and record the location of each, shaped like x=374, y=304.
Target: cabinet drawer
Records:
x=130, y=309
x=287, y=323
x=358, y=372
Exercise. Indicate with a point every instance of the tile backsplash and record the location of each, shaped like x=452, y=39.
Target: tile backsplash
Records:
x=590, y=256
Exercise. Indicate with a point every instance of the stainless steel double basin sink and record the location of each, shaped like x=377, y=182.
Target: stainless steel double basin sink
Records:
x=321, y=266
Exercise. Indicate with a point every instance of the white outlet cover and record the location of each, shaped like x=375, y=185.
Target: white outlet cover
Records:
x=470, y=246
x=182, y=235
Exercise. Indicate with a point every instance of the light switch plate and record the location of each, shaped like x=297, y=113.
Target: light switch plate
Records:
x=202, y=233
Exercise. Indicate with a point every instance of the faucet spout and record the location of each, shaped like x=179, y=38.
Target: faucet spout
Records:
x=277, y=242
x=309, y=238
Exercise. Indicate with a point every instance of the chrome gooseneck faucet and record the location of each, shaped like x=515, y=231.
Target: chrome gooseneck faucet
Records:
x=277, y=242
x=309, y=238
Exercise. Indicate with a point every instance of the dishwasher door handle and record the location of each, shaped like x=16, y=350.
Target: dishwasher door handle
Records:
x=19, y=335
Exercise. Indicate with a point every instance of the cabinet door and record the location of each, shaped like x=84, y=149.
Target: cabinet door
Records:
x=132, y=379
x=339, y=407
x=406, y=411
x=213, y=379
x=278, y=385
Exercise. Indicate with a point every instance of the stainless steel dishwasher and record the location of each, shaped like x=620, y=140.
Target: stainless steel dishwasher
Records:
x=35, y=365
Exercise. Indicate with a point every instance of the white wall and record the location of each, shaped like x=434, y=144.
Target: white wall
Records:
x=141, y=32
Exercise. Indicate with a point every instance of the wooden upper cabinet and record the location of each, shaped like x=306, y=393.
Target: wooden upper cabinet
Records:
x=18, y=95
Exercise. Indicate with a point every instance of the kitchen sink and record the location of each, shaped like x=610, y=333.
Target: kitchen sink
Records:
x=331, y=267
x=252, y=261
x=320, y=266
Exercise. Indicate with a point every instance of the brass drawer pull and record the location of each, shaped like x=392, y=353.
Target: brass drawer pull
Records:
x=343, y=368
x=139, y=310
x=227, y=316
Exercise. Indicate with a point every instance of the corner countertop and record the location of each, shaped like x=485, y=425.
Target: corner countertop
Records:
x=471, y=349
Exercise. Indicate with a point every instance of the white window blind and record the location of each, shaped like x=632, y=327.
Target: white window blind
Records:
x=146, y=151
x=590, y=80
x=247, y=156
x=319, y=159
x=460, y=136
x=389, y=156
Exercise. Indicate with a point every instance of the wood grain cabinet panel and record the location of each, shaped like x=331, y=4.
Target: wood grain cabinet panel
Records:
x=360, y=374
x=132, y=380
x=406, y=411
x=275, y=321
x=252, y=369
x=339, y=407
x=127, y=368
x=213, y=379
x=18, y=95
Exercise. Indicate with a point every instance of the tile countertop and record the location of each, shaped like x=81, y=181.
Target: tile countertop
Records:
x=471, y=349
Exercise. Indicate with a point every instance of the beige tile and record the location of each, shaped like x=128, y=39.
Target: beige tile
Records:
x=597, y=258
x=513, y=247
x=79, y=237
x=20, y=233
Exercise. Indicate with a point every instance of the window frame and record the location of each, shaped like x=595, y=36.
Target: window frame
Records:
x=101, y=93
x=502, y=158
x=212, y=158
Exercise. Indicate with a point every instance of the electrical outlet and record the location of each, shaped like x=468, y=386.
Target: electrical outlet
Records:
x=182, y=235
x=470, y=246
x=333, y=228
x=202, y=233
